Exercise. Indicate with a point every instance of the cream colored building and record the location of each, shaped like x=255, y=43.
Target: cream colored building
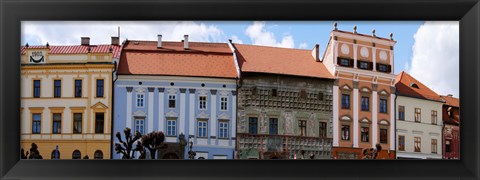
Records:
x=419, y=120
x=66, y=99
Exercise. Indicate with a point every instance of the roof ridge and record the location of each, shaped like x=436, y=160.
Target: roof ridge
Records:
x=272, y=47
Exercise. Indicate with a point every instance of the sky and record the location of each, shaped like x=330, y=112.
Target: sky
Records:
x=429, y=51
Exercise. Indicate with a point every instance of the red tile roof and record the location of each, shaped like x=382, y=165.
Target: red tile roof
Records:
x=274, y=60
x=77, y=49
x=451, y=101
x=201, y=59
x=404, y=87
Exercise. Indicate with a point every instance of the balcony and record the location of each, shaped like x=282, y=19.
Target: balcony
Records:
x=286, y=145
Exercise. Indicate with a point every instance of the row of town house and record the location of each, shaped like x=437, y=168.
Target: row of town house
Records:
x=233, y=101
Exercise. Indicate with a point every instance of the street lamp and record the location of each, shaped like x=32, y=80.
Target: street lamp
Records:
x=191, y=154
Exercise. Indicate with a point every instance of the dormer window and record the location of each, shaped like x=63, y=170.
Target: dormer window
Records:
x=414, y=85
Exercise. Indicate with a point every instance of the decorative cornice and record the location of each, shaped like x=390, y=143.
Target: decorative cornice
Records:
x=203, y=115
x=129, y=89
x=192, y=91
x=140, y=113
x=140, y=90
x=161, y=90
x=213, y=91
x=183, y=90
x=151, y=89
x=374, y=87
x=171, y=114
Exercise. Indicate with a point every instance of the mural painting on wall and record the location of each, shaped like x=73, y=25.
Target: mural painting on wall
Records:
x=288, y=127
x=243, y=121
x=311, y=124
x=263, y=122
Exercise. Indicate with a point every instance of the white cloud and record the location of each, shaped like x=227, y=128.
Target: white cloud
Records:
x=261, y=36
x=69, y=32
x=303, y=46
x=235, y=39
x=435, y=57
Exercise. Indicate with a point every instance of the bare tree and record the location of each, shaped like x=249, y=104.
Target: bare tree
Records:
x=130, y=146
x=153, y=141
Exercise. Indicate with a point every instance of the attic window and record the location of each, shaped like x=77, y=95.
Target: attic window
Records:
x=414, y=85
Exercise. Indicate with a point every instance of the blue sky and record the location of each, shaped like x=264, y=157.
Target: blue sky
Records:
x=417, y=55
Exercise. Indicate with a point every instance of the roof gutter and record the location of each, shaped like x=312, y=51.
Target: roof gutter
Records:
x=232, y=47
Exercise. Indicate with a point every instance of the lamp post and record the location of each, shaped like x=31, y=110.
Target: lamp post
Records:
x=191, y=154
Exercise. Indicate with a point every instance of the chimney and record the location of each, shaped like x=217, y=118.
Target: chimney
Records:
x=315, y=53
x=159, y=42
x=85, y=41
x=115, y=40
x=185, y=43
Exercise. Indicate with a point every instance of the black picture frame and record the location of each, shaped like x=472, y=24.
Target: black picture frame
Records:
x=13, y=12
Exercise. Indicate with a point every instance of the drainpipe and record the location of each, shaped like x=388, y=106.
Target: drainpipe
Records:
x=395, y=121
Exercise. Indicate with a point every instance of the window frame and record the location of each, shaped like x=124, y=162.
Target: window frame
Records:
x=75, y=121
x=224, y=103
x=225, y=128
x=363, y=134
x=57, y=122
x=343, y=127
x=137, y=100
x=253, y=130
x=174, y=127
x=205, y=103
x=39, y=88
x=273, y=125
x=172, y=98
x=434, y=116
x=417, y=116
x=202, y=124
x=39, y=123
x=367, y=103
x=386, y=105
x=322, y=128
x=137, y=125
x=97, y=122
x=95, y=156
x=302, y=126
x=74, y=154
x=386, y=135
x=75, y=88
x=57, y=88
x=434, y=146
x=401, y=142
x=100, y=89
x=415, y=143
x=348, y=102
x=401, y=110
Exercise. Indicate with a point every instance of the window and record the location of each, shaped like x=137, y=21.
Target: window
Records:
x=401, y=143
x=171, y=127
x=224, y=103
x=302, y=125
x=202, y=102
x=414, y=85
x=273, y=126
x=401, y=113
x=365, y=134
x=274, y=92
x=252, y=125
x=418, y=115
x=365, y=104
x=417, y=144
x=382, y=68
x=344, y=62
x=345, y=101
x=78, y=88
x=303, y=94
x=77, y=123
x=223, y=129
x=434, y=117
x=322, y=129
x=434, y=146
x=383, y=135
x=171, y=101
x=98, y=155
x=99, y=122
x=447, y=146
x=36, y=88
x=140, y=125
x=76, y=154
x=345, y=132
x=57, y=88
x=140, y=100
x=100, y=87
x=320, y=96
x=55, y=154
x=57, y=123
x=36, y=123
x=202, y=128
x=363, y=65
x=383, y=105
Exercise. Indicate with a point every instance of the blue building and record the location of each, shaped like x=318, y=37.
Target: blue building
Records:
x=179, y=88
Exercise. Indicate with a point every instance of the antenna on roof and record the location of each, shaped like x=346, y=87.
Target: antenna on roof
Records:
x=335, y=26
x=355, y=29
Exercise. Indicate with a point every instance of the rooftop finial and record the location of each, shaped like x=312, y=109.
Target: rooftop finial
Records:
x=48, y=45
x=26, y=45
x=335, y=26
x=355, y=29
x=373, y=33
x=391, y=36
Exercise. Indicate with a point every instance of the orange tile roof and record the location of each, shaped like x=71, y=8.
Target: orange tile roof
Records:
x=451, y=101
x=403, y=86
x=201, y=59
x=274, y=60
x=77, y=49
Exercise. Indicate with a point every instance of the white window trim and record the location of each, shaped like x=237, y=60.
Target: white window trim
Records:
x=228, y=129
x=174, y=98
x=200, y=102
x=143, y=124
x=136, y=100
x=198, y=128
x=226, y=103
x=166, y=129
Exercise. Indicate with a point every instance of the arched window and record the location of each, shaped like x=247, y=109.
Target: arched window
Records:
x=53, y=154
x=98, y=155
x=76, y=154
